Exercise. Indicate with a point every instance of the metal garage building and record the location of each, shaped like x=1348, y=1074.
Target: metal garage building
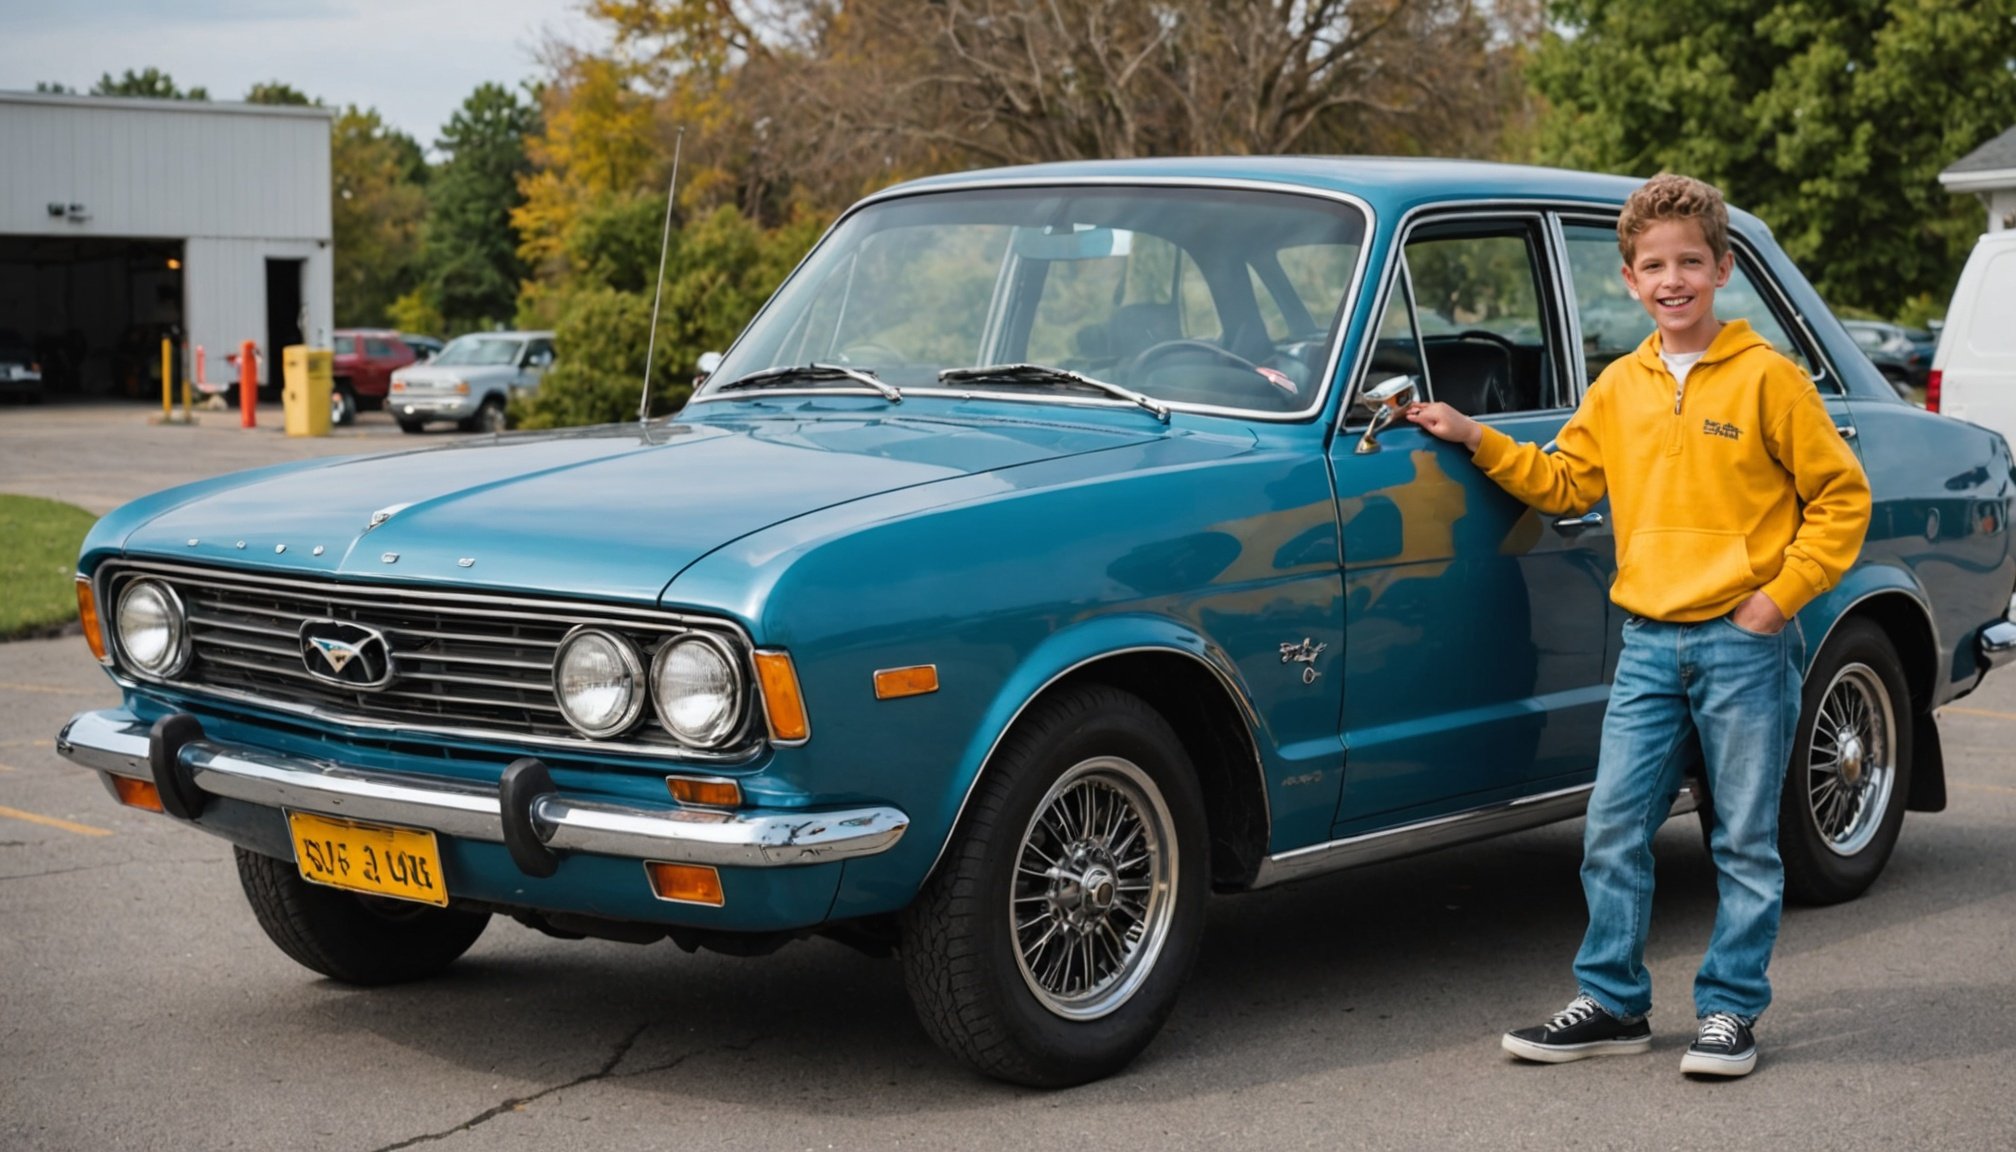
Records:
x=122, y=221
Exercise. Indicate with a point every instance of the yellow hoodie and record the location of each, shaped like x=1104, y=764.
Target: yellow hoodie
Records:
x=1737, y=482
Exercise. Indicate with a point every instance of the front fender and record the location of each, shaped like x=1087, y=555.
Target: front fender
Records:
x=890, y=880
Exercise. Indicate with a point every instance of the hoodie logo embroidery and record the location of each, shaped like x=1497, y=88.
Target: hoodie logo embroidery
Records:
x=1717, y=428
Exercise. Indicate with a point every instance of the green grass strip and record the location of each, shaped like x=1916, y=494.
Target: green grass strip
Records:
x=38, y=564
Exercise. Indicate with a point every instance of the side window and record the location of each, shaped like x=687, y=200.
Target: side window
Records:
x=1478, y=311
x=540, y=354
x=1613, y=323
x=376, y=348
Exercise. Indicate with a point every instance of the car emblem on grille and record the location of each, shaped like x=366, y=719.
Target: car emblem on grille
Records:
x=350, y=655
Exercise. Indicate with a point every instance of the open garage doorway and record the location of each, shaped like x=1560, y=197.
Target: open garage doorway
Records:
x=93, y=310
x=286, y=318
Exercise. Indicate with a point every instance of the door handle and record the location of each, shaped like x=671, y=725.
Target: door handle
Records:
x=1847, y=431
x=1570, y=525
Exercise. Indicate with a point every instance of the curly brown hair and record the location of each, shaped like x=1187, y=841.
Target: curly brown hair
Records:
x=1670, y=196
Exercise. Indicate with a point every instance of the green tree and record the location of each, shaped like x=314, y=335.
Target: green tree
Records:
x=470, y=251
x=275, y=92
x=378, y=199
x=719, y=270
x=151, y=84
x=54, y=88
x=1831, y=119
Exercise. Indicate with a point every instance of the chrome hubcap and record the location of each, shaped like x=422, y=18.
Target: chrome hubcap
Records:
x=1095, y=887
x=1852, y=768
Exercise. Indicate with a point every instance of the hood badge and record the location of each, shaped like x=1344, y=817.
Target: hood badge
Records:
x=347, y=655
x=386, y=513
x=466, y=562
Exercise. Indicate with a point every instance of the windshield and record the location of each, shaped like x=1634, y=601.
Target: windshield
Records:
x=1192, y=296
x=479, y=350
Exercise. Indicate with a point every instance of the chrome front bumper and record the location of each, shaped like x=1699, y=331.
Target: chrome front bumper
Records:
x=118, y=743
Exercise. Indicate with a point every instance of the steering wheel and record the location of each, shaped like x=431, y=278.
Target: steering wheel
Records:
x=1147, y=356
x=1489, y=337
x=1264, y=392
x=867, y=353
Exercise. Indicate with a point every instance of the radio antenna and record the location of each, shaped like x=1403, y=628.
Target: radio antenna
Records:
x=658, y=297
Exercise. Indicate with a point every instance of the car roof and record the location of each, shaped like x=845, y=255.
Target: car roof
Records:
x=1392, y=185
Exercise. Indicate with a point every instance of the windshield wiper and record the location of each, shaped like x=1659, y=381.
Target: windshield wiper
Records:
x=1039, y=374
x=813, y=373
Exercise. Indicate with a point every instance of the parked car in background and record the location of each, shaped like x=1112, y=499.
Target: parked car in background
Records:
x=1903, y=355
x=1042, y=559
x=362, y=366
x=20, y=371
x=471, y=380
x=1974, y=371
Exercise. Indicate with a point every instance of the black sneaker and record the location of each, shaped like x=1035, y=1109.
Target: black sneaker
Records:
x=1582, y=1029
x=1723, y=1047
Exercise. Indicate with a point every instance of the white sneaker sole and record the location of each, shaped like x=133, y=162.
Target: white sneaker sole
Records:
x=1701, y=1064
x=1566, y=1053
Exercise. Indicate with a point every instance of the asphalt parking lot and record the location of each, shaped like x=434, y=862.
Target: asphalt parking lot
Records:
x=142, y=1008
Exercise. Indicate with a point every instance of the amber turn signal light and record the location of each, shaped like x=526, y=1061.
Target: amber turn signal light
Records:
x=685, y=883
x=782, y=704
x=712, y=793
x=892, y=683
x=87, y=612
x=137, y=793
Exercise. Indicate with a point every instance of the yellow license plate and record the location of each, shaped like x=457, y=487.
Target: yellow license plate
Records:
x=402, y=863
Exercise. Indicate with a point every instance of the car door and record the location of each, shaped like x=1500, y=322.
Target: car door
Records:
x=1475, y=627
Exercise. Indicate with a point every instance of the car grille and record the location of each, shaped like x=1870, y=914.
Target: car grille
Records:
x=463, y=663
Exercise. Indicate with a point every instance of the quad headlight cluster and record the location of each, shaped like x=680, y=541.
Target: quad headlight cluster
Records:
x=694, y=685
x=151, y=628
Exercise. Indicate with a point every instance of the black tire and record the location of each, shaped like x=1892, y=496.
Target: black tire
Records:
x=342, y=406
x=1845, y=790
x=997, y=996
x=488, y=418
x=412, y=427
x=356, y=939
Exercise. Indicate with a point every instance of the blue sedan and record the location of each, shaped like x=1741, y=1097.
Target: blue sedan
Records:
x=1041, y=560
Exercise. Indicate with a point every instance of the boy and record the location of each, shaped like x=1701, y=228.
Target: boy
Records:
x=1736, y=503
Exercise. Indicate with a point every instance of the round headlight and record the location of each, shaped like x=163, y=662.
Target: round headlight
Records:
x=599, y=681
x=698, y=691
x=150, y=626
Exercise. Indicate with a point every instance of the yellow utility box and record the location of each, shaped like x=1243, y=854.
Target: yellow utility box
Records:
x=304, y=395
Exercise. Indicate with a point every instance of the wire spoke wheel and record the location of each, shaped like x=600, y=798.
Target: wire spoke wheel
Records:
x=1095, y=882
x=1852, y=766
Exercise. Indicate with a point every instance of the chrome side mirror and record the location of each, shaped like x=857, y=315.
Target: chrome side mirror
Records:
x=705, y=366
x=1385, y=400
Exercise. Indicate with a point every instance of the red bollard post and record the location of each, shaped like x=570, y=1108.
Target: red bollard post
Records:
x=248, y=385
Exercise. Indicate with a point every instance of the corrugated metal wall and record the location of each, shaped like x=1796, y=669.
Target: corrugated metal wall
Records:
x=239, y=184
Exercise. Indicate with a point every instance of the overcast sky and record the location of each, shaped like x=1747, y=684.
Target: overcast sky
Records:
x=414, y=60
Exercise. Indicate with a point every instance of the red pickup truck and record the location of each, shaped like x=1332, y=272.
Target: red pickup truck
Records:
x=361, y=372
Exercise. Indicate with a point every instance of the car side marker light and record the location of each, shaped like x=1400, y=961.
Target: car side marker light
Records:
x=137, y=793
x=87, y=612
x=782, y=703
x=710, y=793
x=894, y=683
x=685, y=883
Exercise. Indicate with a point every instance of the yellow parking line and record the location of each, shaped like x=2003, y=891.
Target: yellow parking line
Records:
x=1990, y=713
x=53, y=822
x=49, y=689
x=43, y=742
x=1971, y=787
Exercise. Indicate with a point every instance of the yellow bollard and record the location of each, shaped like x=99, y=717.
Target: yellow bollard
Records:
x=167, y=382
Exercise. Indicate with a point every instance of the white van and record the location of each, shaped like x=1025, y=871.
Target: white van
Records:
x=1974, y=371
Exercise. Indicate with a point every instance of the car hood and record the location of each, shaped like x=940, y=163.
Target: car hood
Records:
x=607, y=513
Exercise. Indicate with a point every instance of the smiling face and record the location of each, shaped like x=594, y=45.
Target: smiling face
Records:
x=1674, y=273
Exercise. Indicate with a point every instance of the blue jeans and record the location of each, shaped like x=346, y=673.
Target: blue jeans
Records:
x=1681, y=690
